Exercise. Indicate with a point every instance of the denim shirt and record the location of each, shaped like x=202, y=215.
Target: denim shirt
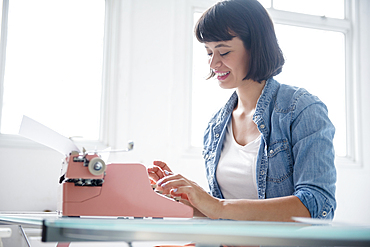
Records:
x=296, y=156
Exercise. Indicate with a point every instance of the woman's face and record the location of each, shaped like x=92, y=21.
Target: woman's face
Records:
x=229, y=60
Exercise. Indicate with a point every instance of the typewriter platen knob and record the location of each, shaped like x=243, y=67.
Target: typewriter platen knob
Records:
x=96, y=166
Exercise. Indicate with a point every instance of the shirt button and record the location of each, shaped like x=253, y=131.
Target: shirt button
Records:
x=262, y=172
x=262, y=126
x=217, y=135
x=324, y=213
x=271, y=151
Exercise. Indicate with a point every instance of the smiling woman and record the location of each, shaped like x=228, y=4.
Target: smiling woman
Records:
x=268, y=152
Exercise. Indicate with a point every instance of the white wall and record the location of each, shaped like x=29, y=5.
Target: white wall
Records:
x=28, y=179
x=149, y=74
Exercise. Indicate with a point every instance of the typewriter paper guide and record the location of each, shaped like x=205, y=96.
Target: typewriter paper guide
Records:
x=38, y=132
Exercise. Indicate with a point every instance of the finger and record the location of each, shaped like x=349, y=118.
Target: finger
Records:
x=175, y=193
x=162, y=165
x=174, y=183
x=181, y=190
x=157, y=173
x=152, y=181
x=153, y=174
x=197, y=197
x=169, y=178
x=167, y=173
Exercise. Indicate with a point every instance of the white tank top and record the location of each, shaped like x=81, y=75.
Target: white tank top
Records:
x=236, y=170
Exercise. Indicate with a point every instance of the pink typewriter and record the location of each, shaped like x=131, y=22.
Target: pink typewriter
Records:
x=89, y=187
x=92, y=188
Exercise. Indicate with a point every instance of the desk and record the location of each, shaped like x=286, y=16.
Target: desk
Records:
x=205, y=232
x=201, y=231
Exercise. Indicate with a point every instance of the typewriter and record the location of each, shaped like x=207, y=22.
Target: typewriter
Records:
x=90, y=187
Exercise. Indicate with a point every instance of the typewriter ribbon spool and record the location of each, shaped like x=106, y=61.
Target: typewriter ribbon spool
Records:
x=96, y=166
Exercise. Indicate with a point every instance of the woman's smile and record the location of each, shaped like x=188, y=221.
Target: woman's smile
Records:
x=221, y=76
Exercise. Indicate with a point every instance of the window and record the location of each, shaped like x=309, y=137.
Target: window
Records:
x=315, y=37
x=53, y=65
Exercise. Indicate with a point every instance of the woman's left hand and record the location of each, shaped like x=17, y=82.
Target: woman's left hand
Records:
x=177, y=185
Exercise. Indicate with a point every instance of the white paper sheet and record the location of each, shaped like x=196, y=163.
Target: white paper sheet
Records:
x=38, y=132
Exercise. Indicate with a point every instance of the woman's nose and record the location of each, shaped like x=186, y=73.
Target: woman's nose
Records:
x=214, y=61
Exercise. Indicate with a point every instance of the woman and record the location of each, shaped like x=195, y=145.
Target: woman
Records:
x=269, y=151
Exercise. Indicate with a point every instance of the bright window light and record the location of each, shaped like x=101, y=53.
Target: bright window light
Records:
x=328, y=8
x=265, y=3
x=1, y=14
x=53, y=67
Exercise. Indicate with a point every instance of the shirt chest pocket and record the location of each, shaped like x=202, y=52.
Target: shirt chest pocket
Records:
x=280, y=165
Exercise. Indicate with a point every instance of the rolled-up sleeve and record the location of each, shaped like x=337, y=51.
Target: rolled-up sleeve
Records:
x=314, y=173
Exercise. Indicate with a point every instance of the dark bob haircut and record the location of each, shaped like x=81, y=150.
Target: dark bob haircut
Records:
x=248, y=20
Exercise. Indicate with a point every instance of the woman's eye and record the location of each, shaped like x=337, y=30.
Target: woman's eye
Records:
x=224, y=54
x=221, y=54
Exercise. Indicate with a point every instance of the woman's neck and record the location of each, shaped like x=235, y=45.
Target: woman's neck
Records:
x=248, y=95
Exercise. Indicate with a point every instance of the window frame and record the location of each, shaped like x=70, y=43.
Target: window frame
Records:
x=348, y=26
x=3, y=40
x=116, y=68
